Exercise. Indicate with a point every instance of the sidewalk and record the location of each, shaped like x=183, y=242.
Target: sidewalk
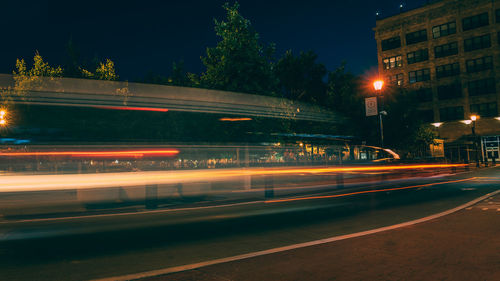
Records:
x=461, y=246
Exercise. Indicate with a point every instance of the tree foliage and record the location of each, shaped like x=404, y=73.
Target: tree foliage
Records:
x=39, y=68
x=238, y=62
x=301, y=78
x=104, y=71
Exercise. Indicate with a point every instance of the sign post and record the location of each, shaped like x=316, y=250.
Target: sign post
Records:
x=371, y=106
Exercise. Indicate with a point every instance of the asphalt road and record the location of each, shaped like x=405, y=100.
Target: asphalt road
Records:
x=164, y=239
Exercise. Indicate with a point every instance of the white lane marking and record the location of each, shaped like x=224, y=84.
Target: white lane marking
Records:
x=180, y=268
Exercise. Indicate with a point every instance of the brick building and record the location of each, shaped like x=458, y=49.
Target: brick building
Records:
x=448, y=51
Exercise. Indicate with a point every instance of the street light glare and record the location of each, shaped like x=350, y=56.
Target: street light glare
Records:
x=474, y=117
x=378, y=85
x=3, y=112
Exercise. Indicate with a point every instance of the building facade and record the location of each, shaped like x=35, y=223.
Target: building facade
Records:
x=447, y=51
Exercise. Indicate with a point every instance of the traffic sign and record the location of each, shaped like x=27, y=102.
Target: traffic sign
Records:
x=371, y=106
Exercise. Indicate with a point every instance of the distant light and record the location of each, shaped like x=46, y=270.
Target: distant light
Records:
x=437, y=124
x=401, y=5
x=2, y=122
x=498, y=118
x=235, y=119
x=467, y=122
x=474, y=117
x=301, y=144
x=378, y=85
x=2, y=112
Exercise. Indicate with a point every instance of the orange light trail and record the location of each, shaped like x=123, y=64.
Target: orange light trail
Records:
x=364, y=192
x=123, y=153
x=71, y=181
x=359, y=169
x=235, y=119
x=133, y=108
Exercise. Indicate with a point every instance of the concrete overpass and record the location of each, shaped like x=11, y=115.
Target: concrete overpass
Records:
x=125, y=95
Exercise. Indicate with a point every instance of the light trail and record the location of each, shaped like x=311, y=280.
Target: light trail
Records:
x=12, y=183
x=133, y=108
x=364, y=192
x=234, y=119
x=118, y=153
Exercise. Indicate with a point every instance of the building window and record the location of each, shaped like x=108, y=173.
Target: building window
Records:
x=395, y=79
x=484, y=109
x=479, y=64
x=392, y=62
x=482, y=87
x=497, y=15
x=475, y=21
x=417, y=36
x=450, y=91
x=447, y=70
x=391, y=43
x=451, y=113
x=419, y=75
x=427, y=115
x=476, y=43
x=444, y=29
x=418, y=56
x=424, y=94
x=446, y=50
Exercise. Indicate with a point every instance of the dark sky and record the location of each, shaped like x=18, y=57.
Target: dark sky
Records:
x=142, y=36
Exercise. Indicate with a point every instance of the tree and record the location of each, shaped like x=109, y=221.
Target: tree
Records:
x=345, y=95
x=72, y=61
x=104, y=71
x=39, y=68
x=25, y=79
x=238, y=62
x=301, y=78
x=179, y=77
x=403, y=127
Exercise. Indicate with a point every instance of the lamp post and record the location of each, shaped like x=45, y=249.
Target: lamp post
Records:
x=473, y=118
x=377, y=85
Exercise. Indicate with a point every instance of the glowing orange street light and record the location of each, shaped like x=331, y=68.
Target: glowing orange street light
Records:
x=473, y=119
x=378, y=84
x=3, y=122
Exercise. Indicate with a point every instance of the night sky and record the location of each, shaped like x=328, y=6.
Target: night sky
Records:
x=142, y=36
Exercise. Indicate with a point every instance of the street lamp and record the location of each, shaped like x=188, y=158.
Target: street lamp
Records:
x=377, y=85
x=473, y=119
x=3, y=121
